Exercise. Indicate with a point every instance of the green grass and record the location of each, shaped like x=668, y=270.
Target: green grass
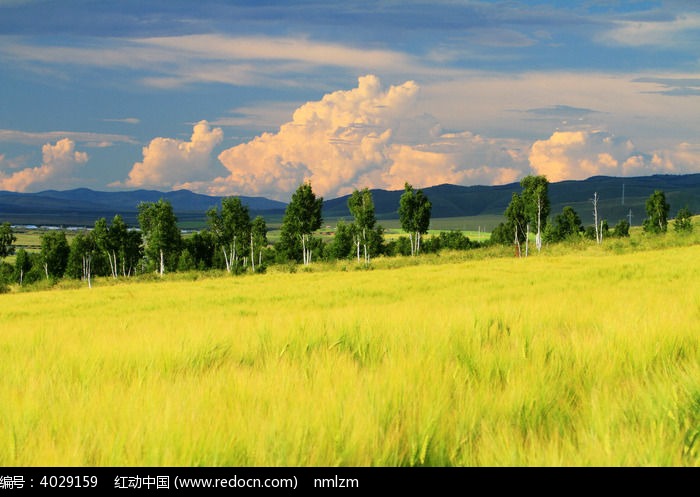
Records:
x=582, y=355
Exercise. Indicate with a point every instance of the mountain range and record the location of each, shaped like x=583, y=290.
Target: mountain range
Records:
x=619, y=197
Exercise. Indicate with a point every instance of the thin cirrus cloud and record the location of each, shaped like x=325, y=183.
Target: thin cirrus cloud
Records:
x=88, y=139
x=173, y=61
x=59, y=162
x=677, y=31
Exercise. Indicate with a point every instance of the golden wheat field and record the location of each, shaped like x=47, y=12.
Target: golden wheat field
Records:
x=581, y=359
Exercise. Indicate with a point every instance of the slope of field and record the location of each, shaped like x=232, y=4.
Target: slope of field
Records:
x=590, y=358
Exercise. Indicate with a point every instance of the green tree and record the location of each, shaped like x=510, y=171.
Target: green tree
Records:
x=343, y=240
x=565, y=225
x=258, y=241
x=119, y=244
x=301, y=218
x=54, y=253
x=232, y=228
x=161, y=234
x=366, y=233
x=414, y=214
x=516, y=223
x=28, y=267
x=7, y=240
x=684, y=221
x=657, y=213
x=621, y=229
x=83, y=250
x=201, y=247
x=536, y=204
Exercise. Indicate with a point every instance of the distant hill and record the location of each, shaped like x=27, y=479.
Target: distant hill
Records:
x=82, y=206
x=455, y=201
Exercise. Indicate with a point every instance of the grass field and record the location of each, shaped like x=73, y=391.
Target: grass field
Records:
x=577, y=357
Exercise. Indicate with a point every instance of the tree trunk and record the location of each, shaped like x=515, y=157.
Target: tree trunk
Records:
x=595, y=218
x=252, y=253
x=162, y=263
x=538, y=236
x=115, y=271
x=527, y=239
x=226, y=259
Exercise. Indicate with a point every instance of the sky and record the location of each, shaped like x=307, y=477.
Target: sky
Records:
x=254, y=98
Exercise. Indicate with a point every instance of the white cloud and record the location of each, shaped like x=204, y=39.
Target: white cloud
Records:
x=59, y=163
x=581, y=154
x=168, y=163
x=88, y=139
x=364, y=137
x=174, y=61
x=125, y=120
x=653, y=33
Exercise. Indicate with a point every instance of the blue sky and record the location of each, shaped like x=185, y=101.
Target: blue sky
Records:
x=253, y=98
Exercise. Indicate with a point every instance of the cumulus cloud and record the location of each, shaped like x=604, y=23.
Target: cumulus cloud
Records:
x=58, y=164
x=171, y=163
x=364, y=137
x=581, y=154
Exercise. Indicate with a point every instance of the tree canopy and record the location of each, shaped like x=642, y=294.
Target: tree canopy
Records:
x=302, y=217
x=657, y=213
x=414, y=215
x=161, y=234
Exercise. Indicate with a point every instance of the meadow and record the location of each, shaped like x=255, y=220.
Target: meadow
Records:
x=579, y=356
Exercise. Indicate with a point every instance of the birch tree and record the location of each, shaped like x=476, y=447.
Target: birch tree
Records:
x=414, y=215
x=232, y=228
x=536, y=204
x=54, y=253
x=161, y=234
x=517, y=222
x=258, y=240
x=83, y=249
x=657, y=213
x=301, y=218
x=361, y=207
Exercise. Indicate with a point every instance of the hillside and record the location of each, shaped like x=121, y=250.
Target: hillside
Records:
x=454, y=201
x=83, y=206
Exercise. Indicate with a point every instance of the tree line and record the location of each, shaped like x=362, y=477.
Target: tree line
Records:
x=235, y=242
x=529, y=212
x=232, y=241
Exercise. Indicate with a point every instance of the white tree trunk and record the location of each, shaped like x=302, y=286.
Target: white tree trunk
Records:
x=598, y=233
x=115, y=270
x=252, y=253
x=162, y=263
x=527, y=239
x=303, y=250
x=538, y=236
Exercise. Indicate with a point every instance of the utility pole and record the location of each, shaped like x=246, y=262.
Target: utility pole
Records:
x=629, y=217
